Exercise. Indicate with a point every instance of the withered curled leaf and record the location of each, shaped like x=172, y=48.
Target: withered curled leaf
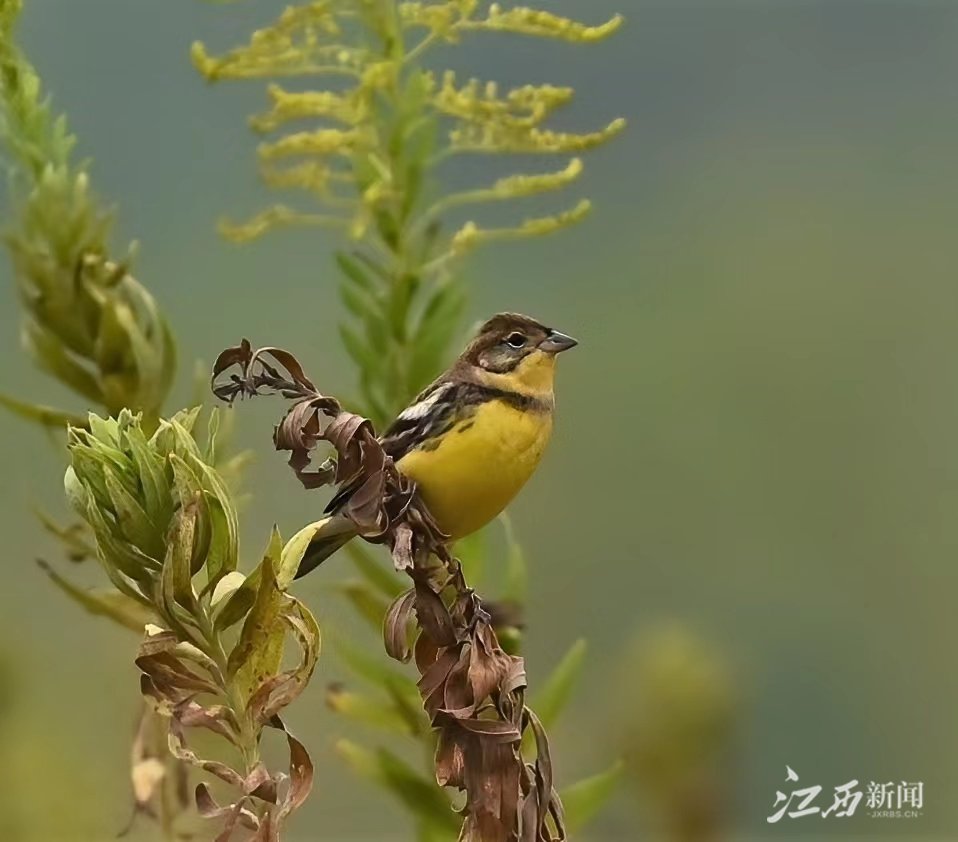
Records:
x=300, y=773
x=396, y=625
x=180, y=750
x=207, y=807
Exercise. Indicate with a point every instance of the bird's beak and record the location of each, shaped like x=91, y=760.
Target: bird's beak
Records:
x=557, y=342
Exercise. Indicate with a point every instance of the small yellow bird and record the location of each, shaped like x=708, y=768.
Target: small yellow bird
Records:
x=471, y=439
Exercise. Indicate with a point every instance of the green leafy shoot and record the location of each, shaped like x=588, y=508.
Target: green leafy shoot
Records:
x=86, y=321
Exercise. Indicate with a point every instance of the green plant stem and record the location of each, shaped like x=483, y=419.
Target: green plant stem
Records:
x=404, y=268
x=248, y=741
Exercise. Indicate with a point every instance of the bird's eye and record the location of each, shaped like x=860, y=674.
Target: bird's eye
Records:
x=516, y=340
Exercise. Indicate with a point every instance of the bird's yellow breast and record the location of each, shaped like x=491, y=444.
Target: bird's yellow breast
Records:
x=475, y=469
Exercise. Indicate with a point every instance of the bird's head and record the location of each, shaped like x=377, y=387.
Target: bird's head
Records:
x=516, y=353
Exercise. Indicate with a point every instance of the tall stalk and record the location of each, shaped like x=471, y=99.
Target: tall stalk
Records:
x=384, y=124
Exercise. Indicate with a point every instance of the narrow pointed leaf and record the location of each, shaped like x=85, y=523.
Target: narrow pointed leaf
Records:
x=584, y=799
x=381, y=576
x=46, y=416
x=370, y=605
x=365, y=710
x=553, y=696
x=114, y=605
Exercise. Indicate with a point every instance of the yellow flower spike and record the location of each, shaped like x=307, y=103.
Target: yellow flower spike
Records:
x=438, y=18
x=471, y=235
x=275, y=217
x=525, y=21
x=474, y=102
x=378, y=75
x=465, y=239
x=268, y=58
x=375, y=193
x=511, y=187
x=495, y=137
x=312, y=176
x=290, y=46
x=319, y=142
x=348, y=108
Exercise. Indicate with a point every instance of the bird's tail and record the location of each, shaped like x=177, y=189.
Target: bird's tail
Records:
x=330, y=534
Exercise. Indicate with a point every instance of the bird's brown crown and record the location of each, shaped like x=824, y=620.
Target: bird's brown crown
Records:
x=498, y=330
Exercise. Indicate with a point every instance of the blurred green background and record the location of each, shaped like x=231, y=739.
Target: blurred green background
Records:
x=755, y=439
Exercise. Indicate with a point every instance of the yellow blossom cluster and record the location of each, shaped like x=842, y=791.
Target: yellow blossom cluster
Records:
x=379, y=98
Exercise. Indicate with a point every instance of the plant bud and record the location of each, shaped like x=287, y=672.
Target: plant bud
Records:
x=143, y=497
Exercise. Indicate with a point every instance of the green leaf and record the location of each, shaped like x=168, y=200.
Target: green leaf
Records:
x=226, y=587
x=221, y=554
x=408, y=704
x=352, y=270
x=77, y=494
x=356, y=301
x=76, y=538
x=150, y=471
x=259, y=651
x=118, y=554
x=471, y=551
x=400, y=299
x=212, y=431
x=368, y=711
x=106, y=431
x=53, y=358
x=147, y=360
x=361, y=760
x=186, y=418
x=364, y=356
x=584, y=799
x=131, y=519
x=103, y=450
x=417, y=792
x=419, y=795
x=377, y=331
x=366, y=601
x=426, y=832
x=554, y=694
x=292, y=554
x=114, y=605
x=225, y=519
x=517, y=570
x=372, y=668
x=438, y=324
x=46, y=416
x=190, y=492
x=377, y=574
x=176, y=578
x=236, y=605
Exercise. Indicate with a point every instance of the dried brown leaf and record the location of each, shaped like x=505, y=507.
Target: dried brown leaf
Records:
x=216, y=718
x=433, y=616
x=396, y=626
x=300, y=773
x=180, y=750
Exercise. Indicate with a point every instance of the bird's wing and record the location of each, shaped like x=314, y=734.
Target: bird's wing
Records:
x=433, y=412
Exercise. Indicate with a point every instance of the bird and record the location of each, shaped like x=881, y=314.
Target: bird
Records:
x=473, y=437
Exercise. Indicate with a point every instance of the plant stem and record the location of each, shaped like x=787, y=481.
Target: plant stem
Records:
x=248, y=739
